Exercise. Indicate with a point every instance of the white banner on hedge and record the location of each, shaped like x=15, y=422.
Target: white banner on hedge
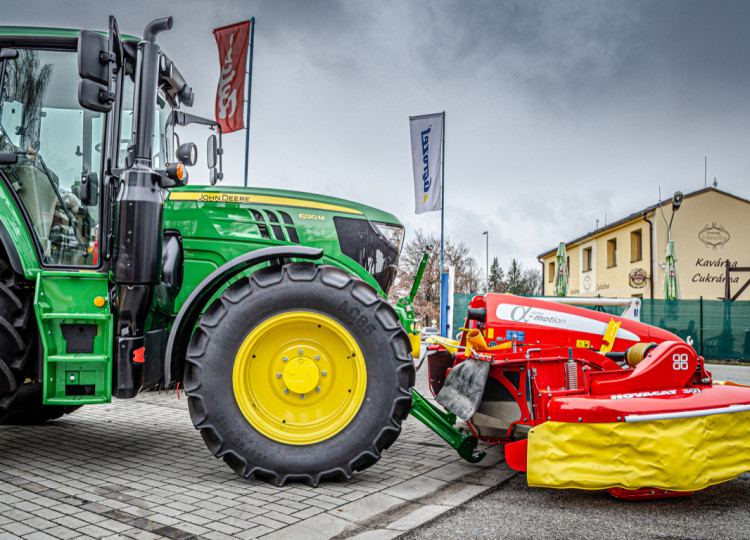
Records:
x=426, y=153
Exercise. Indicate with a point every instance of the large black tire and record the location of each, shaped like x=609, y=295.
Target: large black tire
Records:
x=272, y=294
x=17, y=333
x=27, y=408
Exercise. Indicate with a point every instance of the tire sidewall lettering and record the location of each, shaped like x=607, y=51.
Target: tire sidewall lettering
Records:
x=356, y=317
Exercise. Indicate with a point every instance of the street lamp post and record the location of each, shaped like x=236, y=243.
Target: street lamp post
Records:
x=676, y=202
x=671, y=282
x=486, y=234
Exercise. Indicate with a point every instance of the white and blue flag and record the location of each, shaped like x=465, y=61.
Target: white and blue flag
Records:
x=426, y=152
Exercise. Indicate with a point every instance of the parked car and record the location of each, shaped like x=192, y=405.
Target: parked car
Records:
x=429, y=331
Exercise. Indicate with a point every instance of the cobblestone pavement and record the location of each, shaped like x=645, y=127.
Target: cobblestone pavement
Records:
x=138, y=469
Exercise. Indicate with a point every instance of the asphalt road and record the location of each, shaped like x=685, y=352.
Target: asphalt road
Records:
x=725, y=372
x=515, y=510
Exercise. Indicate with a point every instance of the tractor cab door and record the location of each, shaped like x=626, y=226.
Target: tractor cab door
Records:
x=54, y=180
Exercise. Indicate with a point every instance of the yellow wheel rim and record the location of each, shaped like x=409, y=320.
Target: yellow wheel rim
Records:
x=299, y=377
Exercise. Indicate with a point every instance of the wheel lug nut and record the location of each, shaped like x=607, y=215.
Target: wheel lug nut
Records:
x=302, y=396
x=278, y=375
x=317, y=389
x=286, y=390
x=324, y=373
x=284, y=359
x=317, y=357
x=300, y=351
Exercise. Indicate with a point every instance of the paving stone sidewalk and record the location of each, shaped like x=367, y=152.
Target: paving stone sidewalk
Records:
x=138, y=469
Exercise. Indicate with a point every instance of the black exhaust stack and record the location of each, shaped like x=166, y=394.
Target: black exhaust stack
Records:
x=138, y=220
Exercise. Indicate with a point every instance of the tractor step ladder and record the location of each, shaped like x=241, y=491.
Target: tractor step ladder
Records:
x=75, y=326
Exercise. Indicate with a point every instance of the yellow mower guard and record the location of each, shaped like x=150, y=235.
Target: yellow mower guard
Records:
x=683, y=454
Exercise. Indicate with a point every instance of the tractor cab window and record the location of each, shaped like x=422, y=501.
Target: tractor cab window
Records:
x=57, y=142
x=162, y=141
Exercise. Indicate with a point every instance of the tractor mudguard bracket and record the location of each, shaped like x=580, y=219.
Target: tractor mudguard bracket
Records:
x=442, y=423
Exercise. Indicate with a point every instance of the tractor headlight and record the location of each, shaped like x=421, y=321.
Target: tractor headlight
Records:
x=393, y=233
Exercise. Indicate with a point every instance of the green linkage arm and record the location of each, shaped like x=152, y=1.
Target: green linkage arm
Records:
x=404, y=308
x=418, y=277
x=442, y=423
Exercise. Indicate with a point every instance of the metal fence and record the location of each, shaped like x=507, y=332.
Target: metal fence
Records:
x=720, y=329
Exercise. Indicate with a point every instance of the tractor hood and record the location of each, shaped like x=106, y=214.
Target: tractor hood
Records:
x=298, y=201
x=231, y=221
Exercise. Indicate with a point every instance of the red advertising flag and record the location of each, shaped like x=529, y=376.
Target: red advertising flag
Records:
x=230, y=93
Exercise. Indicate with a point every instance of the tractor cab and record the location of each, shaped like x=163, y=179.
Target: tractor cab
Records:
x=67, y=127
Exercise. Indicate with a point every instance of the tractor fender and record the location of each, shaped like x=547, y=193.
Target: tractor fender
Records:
x=187, y=317
x=10, y=248
x=16, y=232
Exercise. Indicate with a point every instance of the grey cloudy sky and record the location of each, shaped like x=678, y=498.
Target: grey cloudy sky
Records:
x=557, y=113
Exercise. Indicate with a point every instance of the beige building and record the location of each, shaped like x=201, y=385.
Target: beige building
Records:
x=624, y=259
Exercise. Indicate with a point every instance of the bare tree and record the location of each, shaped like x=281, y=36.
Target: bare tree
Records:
x=427, y=302
x=532, y=282
x=27, y=82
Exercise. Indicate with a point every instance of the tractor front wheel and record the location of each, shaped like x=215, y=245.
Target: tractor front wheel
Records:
x=299, y=373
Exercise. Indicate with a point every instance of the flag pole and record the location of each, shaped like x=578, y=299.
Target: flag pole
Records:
x=249, y=74
x=442, y=195
x=443, y=300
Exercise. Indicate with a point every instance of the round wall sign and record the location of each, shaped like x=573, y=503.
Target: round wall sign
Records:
x=638, y=278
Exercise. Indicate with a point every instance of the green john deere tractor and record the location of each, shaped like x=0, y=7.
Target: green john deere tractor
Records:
x=268, y=306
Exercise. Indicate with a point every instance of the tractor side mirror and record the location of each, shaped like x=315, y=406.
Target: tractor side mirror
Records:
x=94, y=96
x=96, y=56
x=93, y=67
x=89, y=189
x=92, y=49
x=212, y=152
x=187, y=153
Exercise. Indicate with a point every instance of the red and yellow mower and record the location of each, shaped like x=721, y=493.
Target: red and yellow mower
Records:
x=582, y=399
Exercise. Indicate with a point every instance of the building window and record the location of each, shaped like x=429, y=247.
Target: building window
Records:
x=551, y=272
x=587, y=259
x=636, y=246
x=611, y=253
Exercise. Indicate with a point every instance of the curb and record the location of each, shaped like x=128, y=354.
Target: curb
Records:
x=405, y=506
